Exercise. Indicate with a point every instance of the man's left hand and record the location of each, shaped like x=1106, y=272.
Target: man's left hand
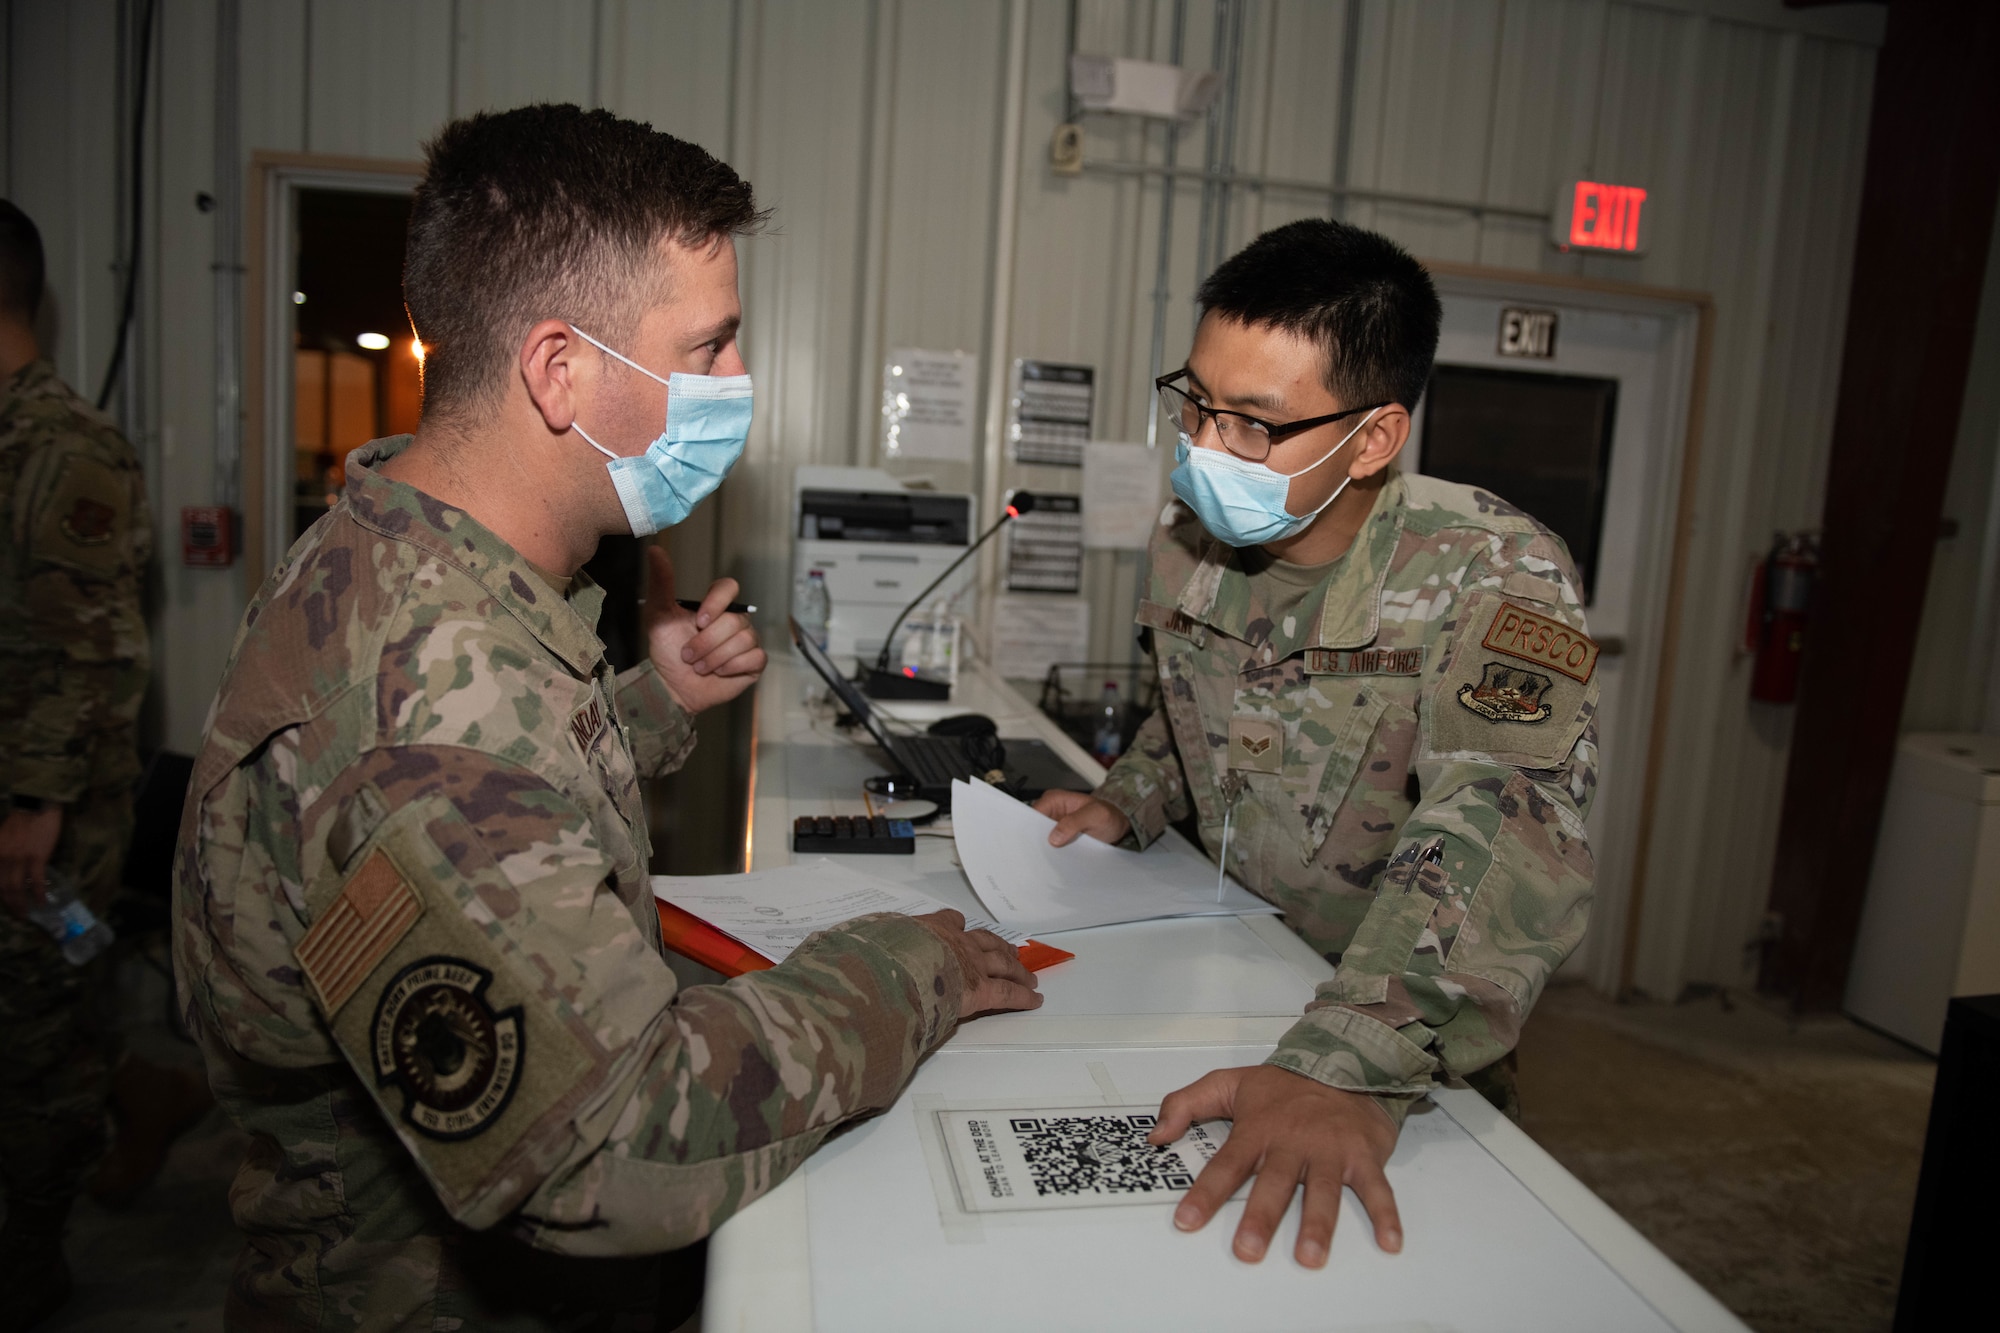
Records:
x=706, y=657
x=1289, y=1130
x=27, y=840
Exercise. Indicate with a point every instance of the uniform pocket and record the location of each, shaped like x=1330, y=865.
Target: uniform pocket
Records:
x=1331, y=742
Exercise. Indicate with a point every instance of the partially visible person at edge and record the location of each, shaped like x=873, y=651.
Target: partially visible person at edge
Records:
x=1377, y=698
x=74, y=657
x=415, y=932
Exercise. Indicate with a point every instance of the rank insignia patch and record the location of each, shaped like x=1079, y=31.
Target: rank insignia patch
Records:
x=438, y=1039
x=88, y=522
x=1256, y=745
x=1508, y=694
x=1543, y=640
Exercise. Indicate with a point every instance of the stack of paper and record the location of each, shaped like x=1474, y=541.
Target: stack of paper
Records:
x=1024, y=882
x=773, y=911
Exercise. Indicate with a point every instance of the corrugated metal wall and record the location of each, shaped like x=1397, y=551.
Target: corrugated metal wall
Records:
x=876, y=129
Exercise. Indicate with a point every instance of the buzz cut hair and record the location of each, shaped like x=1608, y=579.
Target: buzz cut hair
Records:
x=1369, y=307
x=549, y=212
x=23, y=269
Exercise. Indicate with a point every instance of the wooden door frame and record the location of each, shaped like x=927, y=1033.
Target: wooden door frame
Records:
x=1677, y=560
x=273, y=178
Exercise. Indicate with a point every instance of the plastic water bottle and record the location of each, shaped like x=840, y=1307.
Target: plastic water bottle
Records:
x=70, y=921
x=815, y=608
x=1106, y=745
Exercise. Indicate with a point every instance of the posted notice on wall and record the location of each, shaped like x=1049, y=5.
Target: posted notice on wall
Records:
x=927, y=404
x=1050, y=412
x=1031, y=633
x=1121, y=495
x=1045, y=546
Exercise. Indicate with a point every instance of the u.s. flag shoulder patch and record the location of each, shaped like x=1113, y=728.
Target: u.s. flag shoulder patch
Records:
x=1543, y=640
x=369, y=917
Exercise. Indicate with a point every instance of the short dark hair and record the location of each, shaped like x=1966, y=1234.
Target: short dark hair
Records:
x=1356, y=293
x=22, y=267
x=548, y=212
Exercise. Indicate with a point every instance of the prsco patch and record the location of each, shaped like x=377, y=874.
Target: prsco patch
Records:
x=1542, y=640
x=1508, y=694
x=436, y=1037
x=1365, y=661
x=354, y=934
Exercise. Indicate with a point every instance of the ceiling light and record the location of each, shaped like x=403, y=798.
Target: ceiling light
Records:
x=298, y=298
x=374, y=342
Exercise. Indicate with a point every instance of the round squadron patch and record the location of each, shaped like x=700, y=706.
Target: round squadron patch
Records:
x=437, y=1038
x=1508, y=694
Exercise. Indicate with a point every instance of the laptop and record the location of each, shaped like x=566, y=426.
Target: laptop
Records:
x=934, y=762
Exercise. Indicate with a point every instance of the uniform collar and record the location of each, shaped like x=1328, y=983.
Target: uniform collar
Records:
x=36, y=379
x=395, y=509
x=1350, y=611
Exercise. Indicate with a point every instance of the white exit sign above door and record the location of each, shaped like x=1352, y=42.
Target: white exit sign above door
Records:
x=1529, y=333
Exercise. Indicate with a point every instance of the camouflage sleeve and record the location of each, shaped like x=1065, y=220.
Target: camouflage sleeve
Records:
x=1489, y=888
x=86, y=535
x=521, y=1034
x=662, y=732
x=1147, y=785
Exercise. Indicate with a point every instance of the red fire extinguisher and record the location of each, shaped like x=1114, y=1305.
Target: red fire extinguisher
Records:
x=1780, y=598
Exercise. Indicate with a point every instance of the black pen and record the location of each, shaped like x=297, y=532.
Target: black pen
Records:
x=735, y=608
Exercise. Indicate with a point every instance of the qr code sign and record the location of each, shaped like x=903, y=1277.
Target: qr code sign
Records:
x=1070, y=1157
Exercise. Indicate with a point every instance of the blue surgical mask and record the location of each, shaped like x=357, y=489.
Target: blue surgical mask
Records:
x=708, y=423
x=1242, y=502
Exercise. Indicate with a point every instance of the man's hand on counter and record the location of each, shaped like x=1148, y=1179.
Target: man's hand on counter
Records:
x=1076, y=813
x=706, y=657
x=1288, y=1130
x=994, y=977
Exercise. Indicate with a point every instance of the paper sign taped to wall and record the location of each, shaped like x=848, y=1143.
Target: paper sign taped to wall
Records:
x=1030, y=633
x=1121, y=495
x=927, y=404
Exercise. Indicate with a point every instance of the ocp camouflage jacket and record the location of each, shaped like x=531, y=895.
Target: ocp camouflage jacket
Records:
x=1404, y=766
x=417, y=940
x=73, y=647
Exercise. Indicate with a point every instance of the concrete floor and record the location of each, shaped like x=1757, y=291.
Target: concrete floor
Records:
x=1775, y=1161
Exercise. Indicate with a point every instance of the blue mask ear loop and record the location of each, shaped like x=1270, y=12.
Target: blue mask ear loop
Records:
x=1329, y=454
x=608, y=351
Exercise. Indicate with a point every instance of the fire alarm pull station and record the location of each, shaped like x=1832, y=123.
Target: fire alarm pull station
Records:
x=208, y=536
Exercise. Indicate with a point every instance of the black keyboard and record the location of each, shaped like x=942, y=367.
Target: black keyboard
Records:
x=845, y=835
x=935, y=761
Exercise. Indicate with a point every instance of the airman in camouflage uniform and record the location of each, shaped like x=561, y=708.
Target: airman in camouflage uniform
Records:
x=419, y=944
x=1377, y=702
x=74, y=658
x=1402, y=755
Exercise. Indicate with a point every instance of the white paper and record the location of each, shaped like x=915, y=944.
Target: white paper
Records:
x=1045, y=546
x=1121, y=495
x=927, y=404
x=1049, y=413
x=772, y=911
x=1004, y=847
x=1047, y=1157
x=1031, y=633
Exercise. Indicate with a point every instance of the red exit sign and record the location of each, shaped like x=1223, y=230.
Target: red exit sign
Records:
x=1593, y=215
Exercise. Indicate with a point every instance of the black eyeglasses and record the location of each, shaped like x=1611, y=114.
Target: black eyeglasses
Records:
x=1245, y=436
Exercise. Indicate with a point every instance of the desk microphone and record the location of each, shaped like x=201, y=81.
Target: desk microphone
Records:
x=883, y=682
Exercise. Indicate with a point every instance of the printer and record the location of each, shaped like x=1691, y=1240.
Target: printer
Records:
x=877, y=543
